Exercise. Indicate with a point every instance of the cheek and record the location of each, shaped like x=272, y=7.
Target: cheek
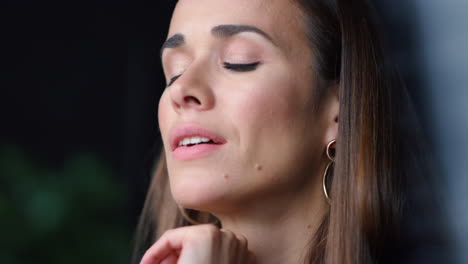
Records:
x=266, y=107
x=272, y=119
x=163, y=111
x=275, y=105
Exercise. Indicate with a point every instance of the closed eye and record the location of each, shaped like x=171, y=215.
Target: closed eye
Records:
x=238, y=67
x=241, y=67
x=172, y=80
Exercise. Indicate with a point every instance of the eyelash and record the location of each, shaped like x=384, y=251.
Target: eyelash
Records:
x=229, y=66
x=173, y=79
x=241, y=67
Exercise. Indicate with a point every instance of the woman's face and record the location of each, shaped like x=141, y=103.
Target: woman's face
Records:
x=239, y=75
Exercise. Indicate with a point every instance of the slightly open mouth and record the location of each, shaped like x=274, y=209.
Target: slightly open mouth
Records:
x=194, y=144
x=189, y=136
x=211, y=142
x=195, y=140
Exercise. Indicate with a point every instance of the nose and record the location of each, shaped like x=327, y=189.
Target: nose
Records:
x=192, y=91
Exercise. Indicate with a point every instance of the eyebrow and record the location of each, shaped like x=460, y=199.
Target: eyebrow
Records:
x=173, y=42
x=224, y=31
x=220, y=31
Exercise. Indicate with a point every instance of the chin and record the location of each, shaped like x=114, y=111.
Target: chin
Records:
x=198, y=191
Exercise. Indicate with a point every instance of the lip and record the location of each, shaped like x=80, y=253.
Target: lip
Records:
x=196, y=151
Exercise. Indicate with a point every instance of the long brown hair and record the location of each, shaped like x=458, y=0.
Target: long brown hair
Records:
x=374, y=152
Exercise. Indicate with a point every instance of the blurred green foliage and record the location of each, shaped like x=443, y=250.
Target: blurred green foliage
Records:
x=70, y=215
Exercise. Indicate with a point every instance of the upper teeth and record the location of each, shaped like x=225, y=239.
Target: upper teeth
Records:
x=193, y=140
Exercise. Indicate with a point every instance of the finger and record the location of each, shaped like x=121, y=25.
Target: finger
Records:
x=229, y=241
x=243, y=241
x=169, y=242
x=171, y=259
x=242, y=249
x=228, y=235
x=251, y=258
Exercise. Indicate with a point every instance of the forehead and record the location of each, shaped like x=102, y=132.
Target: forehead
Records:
x=281, y=19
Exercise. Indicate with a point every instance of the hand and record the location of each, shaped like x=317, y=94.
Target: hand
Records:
x=199, y=244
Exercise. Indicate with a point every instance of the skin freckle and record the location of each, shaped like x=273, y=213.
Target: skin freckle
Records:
x=258, y=167
x=226, y=176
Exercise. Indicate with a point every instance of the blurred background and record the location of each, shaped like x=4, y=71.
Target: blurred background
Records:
x=80, y=82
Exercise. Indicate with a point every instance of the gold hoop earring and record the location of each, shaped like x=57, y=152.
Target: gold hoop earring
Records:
x=191, y=220
x=332, y=160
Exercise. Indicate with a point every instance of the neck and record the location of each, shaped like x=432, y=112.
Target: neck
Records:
x=279, y=230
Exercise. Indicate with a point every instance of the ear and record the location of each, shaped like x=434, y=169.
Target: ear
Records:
x=331, y=114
